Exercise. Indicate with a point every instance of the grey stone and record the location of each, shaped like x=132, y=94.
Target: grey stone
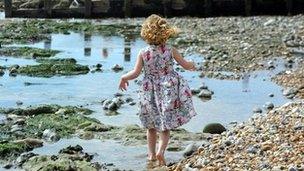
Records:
x=190, y=149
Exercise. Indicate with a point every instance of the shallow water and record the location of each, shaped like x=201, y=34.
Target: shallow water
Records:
x=106, y=152
x=232, y=100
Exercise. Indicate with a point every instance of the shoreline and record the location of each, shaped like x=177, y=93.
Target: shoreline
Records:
x=271, y=141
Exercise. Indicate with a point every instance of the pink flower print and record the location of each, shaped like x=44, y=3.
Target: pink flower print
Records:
x=163, y=49
x=188, y=93
x=176, y=104
x=148, y=56
x=146, y=86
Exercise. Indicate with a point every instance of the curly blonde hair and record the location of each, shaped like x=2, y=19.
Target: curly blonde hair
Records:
x=156, y=30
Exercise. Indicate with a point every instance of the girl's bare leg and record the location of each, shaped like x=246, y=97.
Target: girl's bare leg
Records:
x=163, y=143
x=151, y=138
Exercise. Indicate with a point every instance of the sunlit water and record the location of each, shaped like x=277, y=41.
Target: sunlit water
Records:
x=229, y=103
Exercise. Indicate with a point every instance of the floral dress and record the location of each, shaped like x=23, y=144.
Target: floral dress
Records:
x=165, y=97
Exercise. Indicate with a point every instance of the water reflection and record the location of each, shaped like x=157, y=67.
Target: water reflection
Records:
x=104, y=52
x=245, y=82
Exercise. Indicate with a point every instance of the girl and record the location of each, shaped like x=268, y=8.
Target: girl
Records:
x=165, y=97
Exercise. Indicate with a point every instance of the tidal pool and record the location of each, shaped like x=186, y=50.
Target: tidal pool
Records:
x=232, y=100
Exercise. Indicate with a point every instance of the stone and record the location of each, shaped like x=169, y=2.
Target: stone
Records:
x=60, y=111
x=50, y=135
x=204, y=93
x=190, y=149
x=19, y=103
x=117, y=68
x=214, y=128
x=257, y=110
x=269, y=105
x=290, y=92
x=31, y=142
x=24, y=157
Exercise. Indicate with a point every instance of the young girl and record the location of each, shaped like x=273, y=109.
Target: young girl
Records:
x=165, y=97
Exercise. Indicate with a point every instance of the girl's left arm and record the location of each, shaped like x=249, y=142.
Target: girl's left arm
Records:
x=131, y=74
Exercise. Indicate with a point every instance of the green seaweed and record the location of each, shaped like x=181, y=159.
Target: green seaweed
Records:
x=27, y=52
x=52, y=67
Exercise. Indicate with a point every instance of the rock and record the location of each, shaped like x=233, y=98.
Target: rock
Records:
x=118, y=94
x=195, y=91
x=190, y=149
x=16, y=128
x=50, y=135
x=271, y=95
x=31, y=142
x=24, y=157
x=19, y=103
x=269, y=105
x=214, y=128
x=1, y=72
x=129, y=99
x=71, y=149
x=97, y=128
x=113, y=106
x=257, y=110
x=132, y=103
x=60, y=111
x=20, y=121
x=252, y=149
x=117, y=68
x=290, y=92
x=292, y=168
x=204, y=93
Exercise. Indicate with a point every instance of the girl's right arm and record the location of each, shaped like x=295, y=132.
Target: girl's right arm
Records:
x=187, y=65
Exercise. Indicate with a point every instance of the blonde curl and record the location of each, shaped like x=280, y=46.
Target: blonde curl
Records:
x=156, y=30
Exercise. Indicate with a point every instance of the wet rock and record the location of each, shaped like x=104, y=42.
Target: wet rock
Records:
x=30, y=142
x=97, y=127
x=214, y=128
x=50, y=135
x=190, y=149
x=19, y=103
x=257, y=110
x=132, y=103
x=271, y=95
x=205, y=93
x=71, y=149
x=16, y=128
x=269, y=105
x=195, y=91
x=20, y=121
x=112, y=105
x=52, y=67
x=290, y=92
x=118, y=94
x=24, y=157
x=2, y=72
x=117, y=68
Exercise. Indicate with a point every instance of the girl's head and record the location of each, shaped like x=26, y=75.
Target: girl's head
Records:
x=156, y=30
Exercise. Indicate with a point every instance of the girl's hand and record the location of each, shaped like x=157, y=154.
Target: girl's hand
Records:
x=123, y=84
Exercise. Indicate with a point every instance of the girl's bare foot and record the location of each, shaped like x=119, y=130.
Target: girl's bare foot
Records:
x=161, y=159
x=151, y=157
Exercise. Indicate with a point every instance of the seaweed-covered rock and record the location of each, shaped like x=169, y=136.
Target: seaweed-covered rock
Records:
x=214, y=128
x=70, y=158
x=52, y=67
x=11, y=149
x=27, y=52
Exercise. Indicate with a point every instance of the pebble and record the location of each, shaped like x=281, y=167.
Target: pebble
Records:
x=269, y=105
x=257, y=110
x=117, y=68
x=190, y=149
x=204, y=93
x=19, y=103
x=261, y=143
